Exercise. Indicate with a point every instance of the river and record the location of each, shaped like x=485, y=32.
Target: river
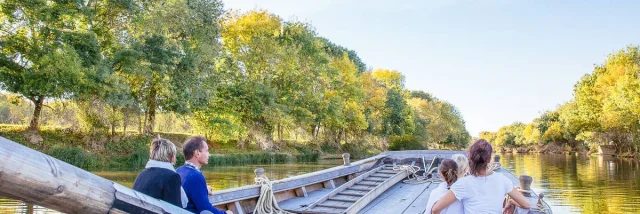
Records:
x=571, y=184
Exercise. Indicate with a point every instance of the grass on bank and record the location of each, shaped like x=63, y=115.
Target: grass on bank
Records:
x=102, y=152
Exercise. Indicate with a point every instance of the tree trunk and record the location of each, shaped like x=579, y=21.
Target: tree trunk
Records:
x=125, y=114
x=148, y=129
x=140, y=123
x=279, y=132
x=34, y=126
x=316, y=130
x=113, y=121
x=151, y=113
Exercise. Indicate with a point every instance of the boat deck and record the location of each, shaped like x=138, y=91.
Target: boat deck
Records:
x=400, y=198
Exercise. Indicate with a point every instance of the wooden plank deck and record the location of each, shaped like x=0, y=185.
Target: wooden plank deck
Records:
x=402, y=198
x=301, y=203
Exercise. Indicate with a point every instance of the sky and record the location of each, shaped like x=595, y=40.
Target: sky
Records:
x=498, y=62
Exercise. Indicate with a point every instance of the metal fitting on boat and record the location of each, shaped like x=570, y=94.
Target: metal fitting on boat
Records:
x=259, y=172
x=345, y=158
x=525, y=185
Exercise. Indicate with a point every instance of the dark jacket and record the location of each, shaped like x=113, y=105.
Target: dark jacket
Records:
x=159, y=183
x=195, y=185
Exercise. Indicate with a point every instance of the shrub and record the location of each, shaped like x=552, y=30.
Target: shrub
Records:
x=405, y=142
x=74, y=155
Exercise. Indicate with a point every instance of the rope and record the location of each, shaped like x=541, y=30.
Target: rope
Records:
x=539, y=206
x=267, y=203
x=494, y=166
x=413, y=178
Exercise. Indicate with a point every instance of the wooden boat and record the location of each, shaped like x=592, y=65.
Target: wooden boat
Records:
x=366, y=186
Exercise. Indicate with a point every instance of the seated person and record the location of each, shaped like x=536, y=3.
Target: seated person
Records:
x=483, y=191
x=448, y=172
x=196, y=154
x=463, y=164
x=159, y=179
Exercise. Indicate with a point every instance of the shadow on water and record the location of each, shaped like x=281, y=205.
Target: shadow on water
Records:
x=572, y=184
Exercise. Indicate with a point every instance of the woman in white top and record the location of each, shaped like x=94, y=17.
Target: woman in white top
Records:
x=448, y=171
x=483, y=191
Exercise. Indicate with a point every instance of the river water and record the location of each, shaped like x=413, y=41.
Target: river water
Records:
x=571, y=184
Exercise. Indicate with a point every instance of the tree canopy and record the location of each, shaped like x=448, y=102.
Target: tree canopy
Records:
x=246, y=77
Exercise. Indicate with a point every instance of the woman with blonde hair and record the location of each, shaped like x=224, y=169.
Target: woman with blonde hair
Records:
x=463, y=164
x=159, y=179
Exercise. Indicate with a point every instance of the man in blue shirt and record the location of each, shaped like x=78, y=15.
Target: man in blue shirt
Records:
x=196, y=154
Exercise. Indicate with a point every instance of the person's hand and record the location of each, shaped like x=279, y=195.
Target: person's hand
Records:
x=509, y=208
x=229, y=212
x=209, y=190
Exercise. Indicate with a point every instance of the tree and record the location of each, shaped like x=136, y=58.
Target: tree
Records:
x=45, y=53
x=170, y=62
x=489, y=137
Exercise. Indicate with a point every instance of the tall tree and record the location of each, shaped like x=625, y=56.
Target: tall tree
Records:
x=171, y=57
x=47, y=50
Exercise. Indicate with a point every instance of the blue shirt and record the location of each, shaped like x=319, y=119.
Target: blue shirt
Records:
x=195, y=186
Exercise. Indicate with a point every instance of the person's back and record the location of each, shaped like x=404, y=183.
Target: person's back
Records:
x=448, y=171
x=159, y=180
x=482, y=194
x=159, y=183
x=483, y=191
x=437, y=193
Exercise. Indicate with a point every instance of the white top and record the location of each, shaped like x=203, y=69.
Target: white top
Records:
x=481, y=195
x=436, y=195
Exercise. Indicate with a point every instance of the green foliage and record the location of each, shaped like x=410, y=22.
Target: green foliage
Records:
x=75, y=156
x=406, y=142
x=360, y=148
x=120, y=71
x=438, y=123
x=605, y=109
x=49, y=51
x=259, y=158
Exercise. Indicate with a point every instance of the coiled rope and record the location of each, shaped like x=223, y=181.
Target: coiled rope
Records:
x=412, y=177
x=267, y=203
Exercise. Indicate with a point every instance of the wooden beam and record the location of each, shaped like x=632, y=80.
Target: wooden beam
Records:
x=302, y=192
x=238, y=208
x=33, y=177
x=329, y=184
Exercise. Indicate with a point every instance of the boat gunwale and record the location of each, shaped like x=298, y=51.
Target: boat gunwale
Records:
x=231, y=195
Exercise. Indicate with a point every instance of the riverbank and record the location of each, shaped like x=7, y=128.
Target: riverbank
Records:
x=104, y=152
x=553, y=148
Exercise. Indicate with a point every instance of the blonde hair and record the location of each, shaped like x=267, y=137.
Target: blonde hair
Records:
x=463, y=163
x=162, y=150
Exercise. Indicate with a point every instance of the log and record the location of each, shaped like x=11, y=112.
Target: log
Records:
x=34, y=177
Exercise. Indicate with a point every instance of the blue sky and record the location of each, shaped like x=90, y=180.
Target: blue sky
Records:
x=497, y=61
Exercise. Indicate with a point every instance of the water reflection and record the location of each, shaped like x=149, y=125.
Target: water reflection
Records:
x=578, y=184
x=572, y=184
